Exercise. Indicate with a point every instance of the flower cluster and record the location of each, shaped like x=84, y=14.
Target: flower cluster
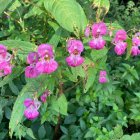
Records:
x=41, y=62
x=102, y=77
x=136, y=43
x=5, y=57
x=32, y=106
x=75, y=48
x=98, y=31
x=120, y=45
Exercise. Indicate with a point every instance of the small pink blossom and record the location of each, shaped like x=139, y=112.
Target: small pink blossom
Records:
x=74, y=60
x=120, y=36
x=97, y=43
x=31, y=113
x=102, y=77
x=32, y=58
x=75, y=46
x=32, y=106
x=87, y=31
x=136, y=41
x=47, y=66
x=102, y=80
x=3, y=50
x=135, y=51
x=44, y=96
x=103, y=73
x=99, y=29
x=120, y=48
x=31, y=72
x=45, y=49
x=5, y=68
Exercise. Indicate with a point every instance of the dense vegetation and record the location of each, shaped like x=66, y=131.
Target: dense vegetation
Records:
x=97, y=98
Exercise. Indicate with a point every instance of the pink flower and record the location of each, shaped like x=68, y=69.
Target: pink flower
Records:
x=87, y=31
x=135, y=51
x=32, y=58
x=99, y=29
x=136, y=41
x=120, y=48
x=103, y=73
x=44, y=96
x=31, y=113
x=45, y=49
x=31, y=72
x=102, y=80
x=74, y=60
x=32, y=106
x=75, y=46
x=3, y=50
x=102, y=77
x=28, y=102
x=97, y=43
x=47, y=66
x=5, y=68
x=121, y=35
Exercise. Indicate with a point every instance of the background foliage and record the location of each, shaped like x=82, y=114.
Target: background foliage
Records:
x=79, y=107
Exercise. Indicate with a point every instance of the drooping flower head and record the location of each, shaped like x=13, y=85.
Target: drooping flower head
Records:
x=102, y=77
x=45, y=95
x=75, y=46
x=99, y=29
x=32, y=106
x=41, y=61
x=120, y=36
x=97, y=43
x=120, y=48
x=87, y=31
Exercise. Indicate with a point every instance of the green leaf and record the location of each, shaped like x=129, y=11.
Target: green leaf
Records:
x=68, y=13
x=35, y=85
x=22, y=48
x=56, y=37
x=35, y=10
x=4, y=4
x=63, y=104
x=90, y=78
x=30, y=133
x=41, y=132
x=129, y=46
x=98, y=54
x=15, y=73
x=15, y=5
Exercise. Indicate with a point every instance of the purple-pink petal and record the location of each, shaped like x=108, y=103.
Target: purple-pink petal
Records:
x=31, y=72
x=75, y=46
x=31, y=113
x=74, y=60
x=32, y=57
x=99, y=29
x=97, y=43
x=45, y=49
x=120, y=48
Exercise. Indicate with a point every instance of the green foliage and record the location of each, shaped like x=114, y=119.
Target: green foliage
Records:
x=69, y=14
x=79, y=107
